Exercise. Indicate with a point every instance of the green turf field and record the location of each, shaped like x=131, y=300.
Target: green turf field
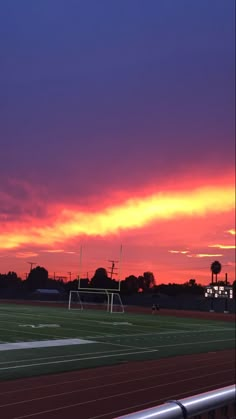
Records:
x=114, y=338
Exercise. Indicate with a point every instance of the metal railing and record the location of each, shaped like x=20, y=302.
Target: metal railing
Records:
x=190, y=407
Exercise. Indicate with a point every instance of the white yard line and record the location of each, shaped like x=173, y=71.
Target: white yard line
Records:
x=82, y=358
x=67, y=316
x=74, y=360
x=195, y=343
x=79, y=327
x=185, y=332
x=187, y=324
x=37, y=344
x=127, y=346
x=179, y=344
x=61, y=356
x=35, y=334
x=13, y=322
x=101, y=334
x=123, y=335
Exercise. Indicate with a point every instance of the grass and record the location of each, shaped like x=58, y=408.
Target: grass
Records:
x=116, y=338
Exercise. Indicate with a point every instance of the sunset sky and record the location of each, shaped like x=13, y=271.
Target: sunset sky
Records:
x=117, y=126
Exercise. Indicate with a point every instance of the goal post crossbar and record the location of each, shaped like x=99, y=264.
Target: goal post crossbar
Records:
x=98, y=289
x=90, y=291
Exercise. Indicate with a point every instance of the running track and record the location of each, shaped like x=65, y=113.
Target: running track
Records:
x=108, y=392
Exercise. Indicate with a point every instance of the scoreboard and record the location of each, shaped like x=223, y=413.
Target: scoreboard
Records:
x=219, y=291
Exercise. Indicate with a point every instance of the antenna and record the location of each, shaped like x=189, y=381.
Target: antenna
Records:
x=112, y=268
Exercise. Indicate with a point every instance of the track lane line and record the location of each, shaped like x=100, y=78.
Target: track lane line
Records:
x=156, y=402
x=120, y=383
x=126, y=393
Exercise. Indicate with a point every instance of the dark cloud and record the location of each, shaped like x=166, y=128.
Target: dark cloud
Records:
x=19, y=200
x=105, y=96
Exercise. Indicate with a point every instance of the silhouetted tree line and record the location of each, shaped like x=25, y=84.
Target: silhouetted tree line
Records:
x=38, y=278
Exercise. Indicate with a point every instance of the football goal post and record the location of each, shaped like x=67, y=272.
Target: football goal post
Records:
x=88, y=299
x=96, y=300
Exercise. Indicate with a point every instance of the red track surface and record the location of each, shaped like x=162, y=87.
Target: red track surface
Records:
x=115, y=390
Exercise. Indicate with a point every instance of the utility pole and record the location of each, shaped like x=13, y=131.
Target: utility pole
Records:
x=31, y=265
x=112, y=268
x=69, y=275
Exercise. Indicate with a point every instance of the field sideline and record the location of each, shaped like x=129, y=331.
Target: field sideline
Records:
x=114, y=338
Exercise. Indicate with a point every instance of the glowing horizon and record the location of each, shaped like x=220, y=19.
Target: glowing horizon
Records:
x=171, y=221
x=134, y=213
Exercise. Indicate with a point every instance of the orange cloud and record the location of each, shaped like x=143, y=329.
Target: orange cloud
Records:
x=223, y=246
x=25, y=255
x=134, y=213
x=182, y=252
x=231, y=231
x=204, y=255
x=53, y=251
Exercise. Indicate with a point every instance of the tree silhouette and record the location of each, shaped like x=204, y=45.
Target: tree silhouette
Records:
x=149, y=280
x=215, y=269
x=130, y=285
x=192, y=282
x=10, y=280
x=101, y=280
x=37, y=278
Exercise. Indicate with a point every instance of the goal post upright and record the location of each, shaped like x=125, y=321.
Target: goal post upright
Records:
x=112, y=300
x=78, y=302
x=108, y=301
x=120, y=265
x=80, y=266
x=116, y=294
x=69, y=304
